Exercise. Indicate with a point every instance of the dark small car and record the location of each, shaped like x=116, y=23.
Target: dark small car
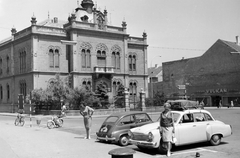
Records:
x=115, y=127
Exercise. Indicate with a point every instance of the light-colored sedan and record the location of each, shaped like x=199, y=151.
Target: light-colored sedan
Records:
x=191, y=126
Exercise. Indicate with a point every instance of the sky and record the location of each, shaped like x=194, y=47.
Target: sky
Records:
x=175, y=29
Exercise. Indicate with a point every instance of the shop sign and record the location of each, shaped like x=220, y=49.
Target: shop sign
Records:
x=223, y=90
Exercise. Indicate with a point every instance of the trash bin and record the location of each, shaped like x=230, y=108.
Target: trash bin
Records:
x=122, y=153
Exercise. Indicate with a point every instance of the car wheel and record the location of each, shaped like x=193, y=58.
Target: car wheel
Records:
x=163, y=147
x=123, y=140
x=215, y=140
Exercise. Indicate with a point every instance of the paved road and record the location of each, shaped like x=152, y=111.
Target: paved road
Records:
x=40, y=142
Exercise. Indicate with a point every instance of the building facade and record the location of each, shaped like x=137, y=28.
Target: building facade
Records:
x=212, y=77
x=85, y=47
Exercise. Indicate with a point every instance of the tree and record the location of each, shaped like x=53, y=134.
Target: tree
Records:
x=58, y=89
x=82, y=95
x=158, y=98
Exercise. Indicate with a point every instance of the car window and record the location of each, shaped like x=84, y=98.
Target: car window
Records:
x=111, y=119
x=187, y=118
x=208, y=117
x=127, y=120
x=142, y=118
x=199, y=117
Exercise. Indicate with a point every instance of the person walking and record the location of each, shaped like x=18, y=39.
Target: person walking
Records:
x=167, y=128
x=87, y=113
x=232, y=104
x=220, y=103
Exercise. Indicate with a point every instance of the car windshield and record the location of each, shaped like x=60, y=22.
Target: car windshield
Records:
x=112, y=119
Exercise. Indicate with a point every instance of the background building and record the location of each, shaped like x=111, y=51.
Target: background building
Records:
x=212, y=77
x=84, y=47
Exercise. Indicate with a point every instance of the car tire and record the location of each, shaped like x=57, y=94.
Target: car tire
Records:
x=163, y=148
x=215, y=139
x=123, y=140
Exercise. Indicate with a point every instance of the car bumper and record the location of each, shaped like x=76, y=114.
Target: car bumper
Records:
x=106, y=138
x=143, y=143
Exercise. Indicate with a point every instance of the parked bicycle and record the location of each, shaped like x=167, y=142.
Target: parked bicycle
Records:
x=20, y=119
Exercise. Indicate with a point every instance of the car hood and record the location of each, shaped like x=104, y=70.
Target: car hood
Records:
x=145, y=128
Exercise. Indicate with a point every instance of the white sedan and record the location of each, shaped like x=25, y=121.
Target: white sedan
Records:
x=191, y=126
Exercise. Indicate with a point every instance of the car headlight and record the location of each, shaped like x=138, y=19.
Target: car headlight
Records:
x=150, y=137
x=130, y=134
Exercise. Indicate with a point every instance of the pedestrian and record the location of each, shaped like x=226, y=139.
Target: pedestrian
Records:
x=202, y=105
x=167, y=128
x=232, y=104
x=87, y=113
x=220, y=103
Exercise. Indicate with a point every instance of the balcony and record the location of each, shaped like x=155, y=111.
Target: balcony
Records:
x=100, y=69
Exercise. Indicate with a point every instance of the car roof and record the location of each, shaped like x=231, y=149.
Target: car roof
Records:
x=120, y=114
x=191, y=111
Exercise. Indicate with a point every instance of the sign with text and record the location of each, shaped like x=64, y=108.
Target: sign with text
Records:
x=181, y=87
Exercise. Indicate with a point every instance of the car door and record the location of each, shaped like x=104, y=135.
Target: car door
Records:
x=188, y=130
x=201, y=124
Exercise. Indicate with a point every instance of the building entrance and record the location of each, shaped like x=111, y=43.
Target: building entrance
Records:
x=216, y=100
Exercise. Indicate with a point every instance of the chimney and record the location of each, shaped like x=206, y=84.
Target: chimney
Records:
x=156, y=65
x=237, y=40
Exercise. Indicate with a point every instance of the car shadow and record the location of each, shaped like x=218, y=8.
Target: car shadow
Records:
x=175, y=148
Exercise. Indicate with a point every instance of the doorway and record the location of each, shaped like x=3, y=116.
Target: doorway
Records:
x=216, y=100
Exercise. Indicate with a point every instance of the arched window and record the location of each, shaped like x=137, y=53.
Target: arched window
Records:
x=101, y=58
x=1, y=66
x=114, y=88
x=116, y=60
x=116, y=85
x=23, y=87
x=54, y=58
x=133, y=90
x=22, y=61
x=83, y=58
x=8, y=91
x=132, y=62
x=86, y=58
x=8, y=64
x=51, y=58
x=1, y=92
x=87, y=85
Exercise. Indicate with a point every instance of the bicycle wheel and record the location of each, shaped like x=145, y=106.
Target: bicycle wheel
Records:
x=22, y=121
x=60, y=122
x=50, y=124
x=16, y=121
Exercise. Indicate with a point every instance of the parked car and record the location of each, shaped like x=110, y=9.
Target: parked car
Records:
x=115, y=127
x=191, y=126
